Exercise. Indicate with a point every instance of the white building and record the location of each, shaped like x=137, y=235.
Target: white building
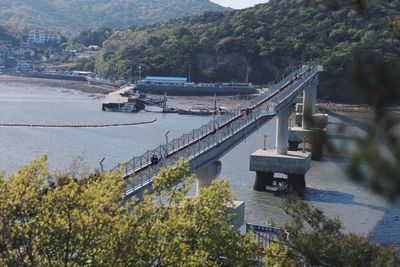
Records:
x=37, y=36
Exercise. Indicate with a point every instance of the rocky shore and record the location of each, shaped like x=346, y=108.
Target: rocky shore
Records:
x=76, y=85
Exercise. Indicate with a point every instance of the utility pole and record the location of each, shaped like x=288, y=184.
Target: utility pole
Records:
x=247, y=73
x=215, y=105
x=166, y=143
x=130, y=74
x=190, y=68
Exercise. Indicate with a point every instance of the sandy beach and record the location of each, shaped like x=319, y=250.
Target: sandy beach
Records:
x=76, y=85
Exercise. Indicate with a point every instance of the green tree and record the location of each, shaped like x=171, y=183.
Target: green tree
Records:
x=316, y=240
x=85, y=64
x=65, y=219
x=93, y=37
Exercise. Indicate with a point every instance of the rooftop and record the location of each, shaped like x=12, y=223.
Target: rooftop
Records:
x=170, y=79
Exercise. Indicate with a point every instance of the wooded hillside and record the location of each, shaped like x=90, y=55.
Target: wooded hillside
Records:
x=267, y=40
x=78, y=15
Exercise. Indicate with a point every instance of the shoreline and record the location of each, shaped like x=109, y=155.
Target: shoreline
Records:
x=180, y=101
x=332, y=106
x=75, y=85
x=353, y=108
x=226, y=100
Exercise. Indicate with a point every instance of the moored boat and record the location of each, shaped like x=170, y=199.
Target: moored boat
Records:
x=180, y=86
x=198, y=109
x=125, y=107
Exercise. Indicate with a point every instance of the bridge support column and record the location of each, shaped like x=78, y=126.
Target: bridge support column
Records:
x=206, y=174
x=263, y=179
x=309, y=102
x=312, y=124
x=282, y=131
x=268, y=162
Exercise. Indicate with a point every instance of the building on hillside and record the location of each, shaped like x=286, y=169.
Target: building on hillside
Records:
x=94, y=47
x=37, y=36
x=25, y=50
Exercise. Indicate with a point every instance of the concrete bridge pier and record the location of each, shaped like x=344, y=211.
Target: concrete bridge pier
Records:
x=282, y=131
x=298, y=115
x=309, y=102
x=207, y=174
x=263, y=179
x=306, y=105
x=312, y=123
x=266, y=163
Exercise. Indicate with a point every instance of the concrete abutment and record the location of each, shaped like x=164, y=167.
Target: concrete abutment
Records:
x=266, y=163
x=287, y=158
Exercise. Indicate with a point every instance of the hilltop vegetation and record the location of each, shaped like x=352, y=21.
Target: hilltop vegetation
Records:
x=10, y=34
x=266, y=40
x=80, y=15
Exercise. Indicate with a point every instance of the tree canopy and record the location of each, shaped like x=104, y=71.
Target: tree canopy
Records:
x=64, y=218
x=316, y=240
x=10, y=33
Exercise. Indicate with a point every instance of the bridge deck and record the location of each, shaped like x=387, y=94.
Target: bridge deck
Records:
x=234, y=125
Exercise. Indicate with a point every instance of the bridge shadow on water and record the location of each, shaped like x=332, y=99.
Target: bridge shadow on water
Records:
x=335, y=197
x=335, y=158
x=387, y=230
x=342, y=137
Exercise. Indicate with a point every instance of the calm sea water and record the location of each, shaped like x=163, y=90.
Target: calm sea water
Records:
x=327, y=184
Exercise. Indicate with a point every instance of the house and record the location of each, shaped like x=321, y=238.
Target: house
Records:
x=6, y=43
x=94, y=47
x=25, y=50
x=38, y=36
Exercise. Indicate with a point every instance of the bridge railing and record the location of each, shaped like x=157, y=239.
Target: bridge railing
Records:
x=200, y=140
x=277, y=87
x=197, y=148
x=294, y=88
x=138, y=163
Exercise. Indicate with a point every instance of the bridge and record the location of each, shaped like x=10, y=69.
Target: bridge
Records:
x=205, y=145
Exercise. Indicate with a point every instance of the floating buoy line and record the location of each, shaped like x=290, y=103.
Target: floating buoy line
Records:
x=76, y=125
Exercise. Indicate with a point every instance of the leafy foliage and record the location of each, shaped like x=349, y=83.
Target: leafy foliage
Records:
x=93, y=37
x=10, y=33
x=316, y=240
x=54, y=219
x=266, y=40
x=375, y=162
x=80, y=15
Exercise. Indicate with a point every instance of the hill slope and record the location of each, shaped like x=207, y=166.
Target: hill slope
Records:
x=77, y=15
x=8, y=33
x=267, y=40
